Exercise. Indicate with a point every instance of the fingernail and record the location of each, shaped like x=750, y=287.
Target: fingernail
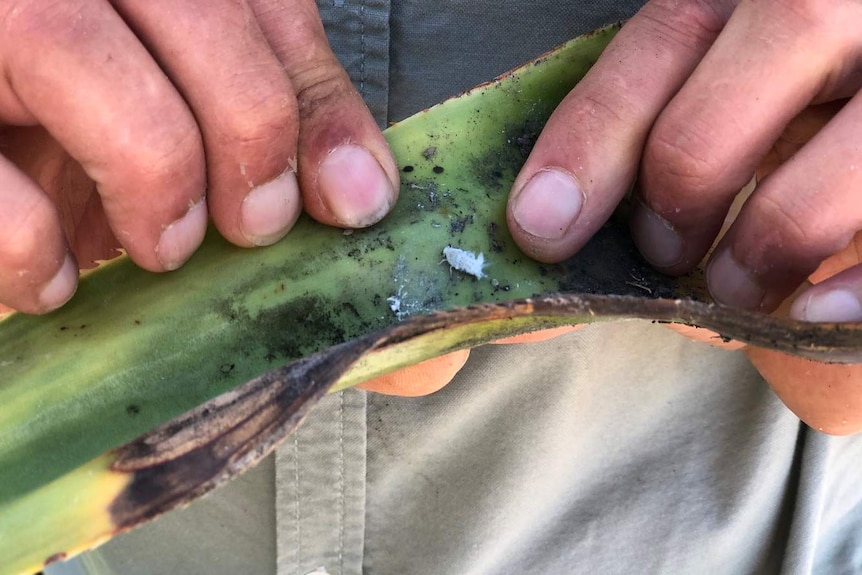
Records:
x=61, y=287
x=655, y=237
x=270, y=210
x=354, y=187
x=732, y=285
x=548, y=204
x=180, y=239
x=837, y=305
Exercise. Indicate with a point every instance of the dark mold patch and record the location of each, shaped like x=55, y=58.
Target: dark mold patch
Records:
x=305, y=325
x=437, y=169
x=381, y=239
x=525, y=142
x=494, y=237
x=457, y=225
x=495, y=170
x=351, y=309
x=433, y=301
x=132, y=410
x=611, y=264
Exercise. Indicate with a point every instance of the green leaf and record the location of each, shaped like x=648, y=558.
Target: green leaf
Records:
x=319, y=311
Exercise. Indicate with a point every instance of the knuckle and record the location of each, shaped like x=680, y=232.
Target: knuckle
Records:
x=26, y=233
x=681, y=161
x=782, y=219
x=805, y=13
x=321, y=85
x=693, y=24
x=830, y=24
x=597, y=110
x=799, y=225
x=264, y=116
x=41, y=18
x=163, y=154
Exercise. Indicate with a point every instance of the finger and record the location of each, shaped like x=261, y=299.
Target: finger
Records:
x=421, y=379
x=43, y=160
x=537, y=336
x=77, y=69
x=346, y=171
x=767, y=65
x=587, y=156
x=217, y=56
x=805, y=211
x=838, y=299
x=837, y=289
x=843, y=260
x=37, y=271
x=797, y=133
x=704, y=335
x=827, y=397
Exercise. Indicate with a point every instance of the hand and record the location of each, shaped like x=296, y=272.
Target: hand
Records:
x=128, y=123
x=690, y=97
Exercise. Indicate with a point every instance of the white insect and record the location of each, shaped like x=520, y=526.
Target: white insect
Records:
x=464, y=261
x=395, y=305
x=398, y=305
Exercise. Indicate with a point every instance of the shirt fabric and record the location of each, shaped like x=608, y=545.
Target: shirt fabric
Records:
x=619, y=448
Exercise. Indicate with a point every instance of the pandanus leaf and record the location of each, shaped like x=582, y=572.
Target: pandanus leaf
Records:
x=147, y=391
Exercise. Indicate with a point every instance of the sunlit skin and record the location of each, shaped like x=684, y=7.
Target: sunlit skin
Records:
x=125, y=125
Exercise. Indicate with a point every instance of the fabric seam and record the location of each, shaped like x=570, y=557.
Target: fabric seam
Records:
x=362, y=48
x=341, y=502
x=296, y=496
